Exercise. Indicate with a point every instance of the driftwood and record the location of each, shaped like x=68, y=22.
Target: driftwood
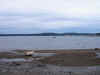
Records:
x=29, y=53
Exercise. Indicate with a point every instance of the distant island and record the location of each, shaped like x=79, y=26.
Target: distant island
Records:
x=54, y=34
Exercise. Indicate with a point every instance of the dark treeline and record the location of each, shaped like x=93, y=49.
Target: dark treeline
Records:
x=53, y=34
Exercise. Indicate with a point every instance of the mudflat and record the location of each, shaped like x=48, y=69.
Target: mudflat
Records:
x=12, y=61
x=77, y=57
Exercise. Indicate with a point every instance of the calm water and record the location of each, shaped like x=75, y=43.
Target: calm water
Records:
x=48, y=42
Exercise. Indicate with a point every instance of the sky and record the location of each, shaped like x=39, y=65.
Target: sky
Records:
x=35, y=16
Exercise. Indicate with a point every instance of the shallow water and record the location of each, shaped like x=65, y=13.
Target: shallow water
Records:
x=98, y=55
x=44, y=54
x=48, y=42
x=72, y=69
x=12, y=60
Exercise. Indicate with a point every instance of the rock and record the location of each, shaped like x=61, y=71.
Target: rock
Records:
x=15, y=64
x=29, y=53
x=4, y=70
x=41, y=65
x=97, y=49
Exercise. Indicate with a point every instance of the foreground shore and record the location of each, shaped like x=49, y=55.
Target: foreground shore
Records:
x=77, y=62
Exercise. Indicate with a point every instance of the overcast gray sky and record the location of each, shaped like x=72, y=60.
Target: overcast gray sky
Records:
x=30, y=16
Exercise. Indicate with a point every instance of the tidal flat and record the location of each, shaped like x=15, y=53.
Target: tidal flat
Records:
x=78, y=62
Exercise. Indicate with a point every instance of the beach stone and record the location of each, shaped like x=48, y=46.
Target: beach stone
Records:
x=14, y=64
x=97, y=49
x=4, y=70
x=41, y=65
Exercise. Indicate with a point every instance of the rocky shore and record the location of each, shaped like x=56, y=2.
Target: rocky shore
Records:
x=63, y=62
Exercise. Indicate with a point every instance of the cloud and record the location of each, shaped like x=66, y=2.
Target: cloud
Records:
x=46, y=22
x=66, y=7
x=49, y=14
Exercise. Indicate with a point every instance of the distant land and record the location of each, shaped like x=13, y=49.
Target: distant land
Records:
x=54, y=34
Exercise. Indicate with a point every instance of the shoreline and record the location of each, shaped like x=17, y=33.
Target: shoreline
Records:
x=79, y=62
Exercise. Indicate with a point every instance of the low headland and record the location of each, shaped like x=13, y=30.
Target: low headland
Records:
x=54, y=34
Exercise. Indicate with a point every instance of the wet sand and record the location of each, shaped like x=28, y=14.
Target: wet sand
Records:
x=58, y=57
x=77, y=61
